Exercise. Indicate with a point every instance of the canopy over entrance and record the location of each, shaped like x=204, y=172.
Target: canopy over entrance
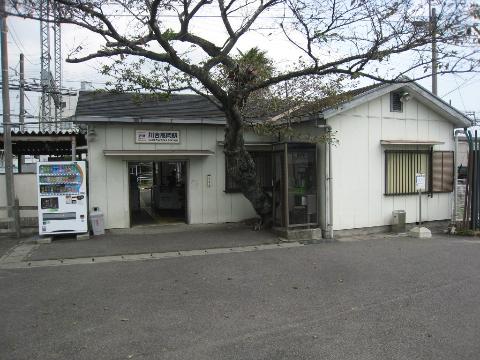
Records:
x=165, y=153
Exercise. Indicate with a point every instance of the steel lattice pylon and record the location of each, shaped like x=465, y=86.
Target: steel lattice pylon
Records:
x=45, y=106
x=51, y=85
x=58, y=67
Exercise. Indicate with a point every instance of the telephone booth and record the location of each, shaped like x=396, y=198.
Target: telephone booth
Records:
x=295, y=185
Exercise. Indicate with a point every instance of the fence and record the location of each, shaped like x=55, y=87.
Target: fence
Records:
x=13, y=222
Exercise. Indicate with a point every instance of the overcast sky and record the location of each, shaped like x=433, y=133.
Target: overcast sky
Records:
x=24, y=36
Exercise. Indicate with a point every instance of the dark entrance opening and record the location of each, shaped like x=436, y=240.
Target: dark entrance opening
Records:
x=157, y=192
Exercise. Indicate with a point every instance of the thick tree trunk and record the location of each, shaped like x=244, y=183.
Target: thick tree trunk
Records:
x=242, y=167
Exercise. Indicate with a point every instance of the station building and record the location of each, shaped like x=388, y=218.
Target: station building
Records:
x=161, y=160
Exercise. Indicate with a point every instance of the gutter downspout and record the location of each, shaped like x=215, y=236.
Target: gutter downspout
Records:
x=455, y=176
x=328, y=180
x=74, y=147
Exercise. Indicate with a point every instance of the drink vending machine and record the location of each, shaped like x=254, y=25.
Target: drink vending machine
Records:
x=62, y=197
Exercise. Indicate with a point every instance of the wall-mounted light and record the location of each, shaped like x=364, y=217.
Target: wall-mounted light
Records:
x=209, y=180
x=405, y=96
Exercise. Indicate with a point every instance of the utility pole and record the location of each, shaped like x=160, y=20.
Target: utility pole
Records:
x=22, y=91
x=433, y=26
x=7, y=139
x=21, y=117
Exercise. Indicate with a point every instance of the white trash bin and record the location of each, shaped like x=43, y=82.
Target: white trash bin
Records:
x=97, y=221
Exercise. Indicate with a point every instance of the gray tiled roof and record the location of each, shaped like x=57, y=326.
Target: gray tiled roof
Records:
x=305, y=111
x=101, y=106
x=145, y=106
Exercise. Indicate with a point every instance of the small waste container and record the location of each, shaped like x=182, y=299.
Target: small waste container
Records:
x=97, y=222
x=398, y=224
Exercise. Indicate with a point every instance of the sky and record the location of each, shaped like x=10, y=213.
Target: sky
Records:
x=24, y=37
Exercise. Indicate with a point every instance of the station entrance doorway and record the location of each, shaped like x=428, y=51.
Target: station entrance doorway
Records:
x=157, y=192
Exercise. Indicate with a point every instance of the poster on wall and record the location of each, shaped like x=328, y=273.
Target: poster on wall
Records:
x=157, y=137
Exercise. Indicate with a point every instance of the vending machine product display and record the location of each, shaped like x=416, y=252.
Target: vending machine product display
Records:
x=62, y=197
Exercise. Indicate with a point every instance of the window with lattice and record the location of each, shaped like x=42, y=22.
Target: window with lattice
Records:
x=402, y=165
x=396, y=104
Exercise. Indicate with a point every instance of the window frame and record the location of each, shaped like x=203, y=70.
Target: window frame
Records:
x=416, y=152
x=392, y=94
x=429, y=174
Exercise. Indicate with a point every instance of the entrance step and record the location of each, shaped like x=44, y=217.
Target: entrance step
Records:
x=304, y=235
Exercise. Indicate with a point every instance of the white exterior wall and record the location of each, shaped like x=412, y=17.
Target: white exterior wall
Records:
x=358, y=163
x=25, y=191
x=108, y=175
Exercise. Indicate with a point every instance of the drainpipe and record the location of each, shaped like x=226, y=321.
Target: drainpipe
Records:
x=455, y=175
x=74, y=148
x=329, y=179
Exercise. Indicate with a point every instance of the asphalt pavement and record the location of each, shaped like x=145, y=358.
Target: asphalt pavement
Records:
x=7, y=243
x=155, y=239
x=392, y=298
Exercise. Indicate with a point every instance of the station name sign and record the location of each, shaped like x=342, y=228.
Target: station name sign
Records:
x=157, y=137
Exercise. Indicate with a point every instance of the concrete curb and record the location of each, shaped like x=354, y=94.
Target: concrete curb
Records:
x=15, y=260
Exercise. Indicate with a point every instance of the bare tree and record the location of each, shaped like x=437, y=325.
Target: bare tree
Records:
x=383, y=40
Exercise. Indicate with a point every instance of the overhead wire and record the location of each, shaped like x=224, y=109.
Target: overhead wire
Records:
x=465, y=83
x=35, y=108
x=19, y=44
x=16, y=39
x=460, y=94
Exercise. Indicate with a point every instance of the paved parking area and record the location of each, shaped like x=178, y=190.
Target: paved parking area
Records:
x=154, y=240
x=6, y=243
x=394, y=298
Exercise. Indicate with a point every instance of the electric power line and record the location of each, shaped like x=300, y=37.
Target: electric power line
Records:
x=39, y=88
x=19, y=44
x=465, y=83
x=35, y=108
x=16, y=39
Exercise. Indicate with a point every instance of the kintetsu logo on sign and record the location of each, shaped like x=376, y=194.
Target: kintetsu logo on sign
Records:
x=141, y=136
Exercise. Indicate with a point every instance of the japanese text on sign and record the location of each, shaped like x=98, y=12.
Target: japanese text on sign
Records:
x=157, y=137
x=420, y=182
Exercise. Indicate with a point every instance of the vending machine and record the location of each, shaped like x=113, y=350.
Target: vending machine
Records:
x=62, y=197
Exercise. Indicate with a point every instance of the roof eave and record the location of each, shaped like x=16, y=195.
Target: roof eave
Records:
x=360, y=99
x=446, y=110
x=423, y=95
x=157, y=120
